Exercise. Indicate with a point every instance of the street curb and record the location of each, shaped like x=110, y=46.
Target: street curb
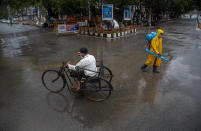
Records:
x=110, y=35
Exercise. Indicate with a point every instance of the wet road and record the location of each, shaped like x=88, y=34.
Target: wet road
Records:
x=141, y=101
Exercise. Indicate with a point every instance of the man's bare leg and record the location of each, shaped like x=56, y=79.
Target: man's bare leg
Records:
x=78, y=86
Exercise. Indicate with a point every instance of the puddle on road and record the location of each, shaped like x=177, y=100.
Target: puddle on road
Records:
x=176, y=36
x=25, y=62
x=133, y=90
x=181, y=73
x=15, y=46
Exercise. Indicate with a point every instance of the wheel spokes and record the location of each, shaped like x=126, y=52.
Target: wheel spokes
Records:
x=98, y=91
x=53, y=80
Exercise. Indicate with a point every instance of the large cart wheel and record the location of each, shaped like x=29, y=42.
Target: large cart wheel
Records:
x=105, y=73
x=97, y=89
x=53, y=81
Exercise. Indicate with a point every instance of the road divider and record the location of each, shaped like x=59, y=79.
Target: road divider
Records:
x=115, y=33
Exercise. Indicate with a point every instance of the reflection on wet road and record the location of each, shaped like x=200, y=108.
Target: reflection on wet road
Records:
x=170, y=100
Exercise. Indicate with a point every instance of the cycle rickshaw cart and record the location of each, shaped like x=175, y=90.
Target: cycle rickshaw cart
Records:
x=96, y=88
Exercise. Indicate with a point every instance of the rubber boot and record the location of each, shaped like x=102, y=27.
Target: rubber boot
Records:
x=155, y=69
x=144, y=67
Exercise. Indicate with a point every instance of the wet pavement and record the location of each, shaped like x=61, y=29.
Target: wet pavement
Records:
x=141, y=101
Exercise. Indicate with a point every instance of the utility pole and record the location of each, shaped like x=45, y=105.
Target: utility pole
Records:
x=89, y=7
x=149, y=16
x=38, y=12
x=140, y=12
x=9, y=14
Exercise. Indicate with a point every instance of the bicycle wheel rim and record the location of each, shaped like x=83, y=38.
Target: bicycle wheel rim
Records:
x=99, y=91
x=53, y=81
x=106, y=73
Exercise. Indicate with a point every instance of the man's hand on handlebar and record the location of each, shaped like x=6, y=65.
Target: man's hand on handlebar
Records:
x=66, y=65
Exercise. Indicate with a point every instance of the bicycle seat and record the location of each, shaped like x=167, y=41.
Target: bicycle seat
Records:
x=92, y=79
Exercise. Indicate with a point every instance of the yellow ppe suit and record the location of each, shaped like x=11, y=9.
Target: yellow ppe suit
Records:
x=156, y=47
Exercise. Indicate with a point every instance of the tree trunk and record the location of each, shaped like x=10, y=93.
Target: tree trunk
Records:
x=89, y=5
x=149, y=21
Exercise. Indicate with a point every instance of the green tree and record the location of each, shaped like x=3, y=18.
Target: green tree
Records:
x=74, y=7
x=3, y=9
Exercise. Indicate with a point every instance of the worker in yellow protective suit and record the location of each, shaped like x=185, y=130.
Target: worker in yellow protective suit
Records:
x=155, y=47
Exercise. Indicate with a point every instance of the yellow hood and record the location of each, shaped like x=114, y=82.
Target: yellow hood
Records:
x=160, y=31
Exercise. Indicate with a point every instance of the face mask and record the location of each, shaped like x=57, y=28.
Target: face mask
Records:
x=81, y=56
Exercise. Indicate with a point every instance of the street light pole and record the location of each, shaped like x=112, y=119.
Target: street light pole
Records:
x=149, y=16
x=89, y=7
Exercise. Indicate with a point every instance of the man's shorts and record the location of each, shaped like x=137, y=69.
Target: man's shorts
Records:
x=79, y=75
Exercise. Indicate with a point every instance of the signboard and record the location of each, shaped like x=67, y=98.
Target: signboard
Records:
x=107, y=12
x=83, y=23
x=143, y=8
x=62, y=28
x=72, y=27
x=127, y=14
x=199, y=19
